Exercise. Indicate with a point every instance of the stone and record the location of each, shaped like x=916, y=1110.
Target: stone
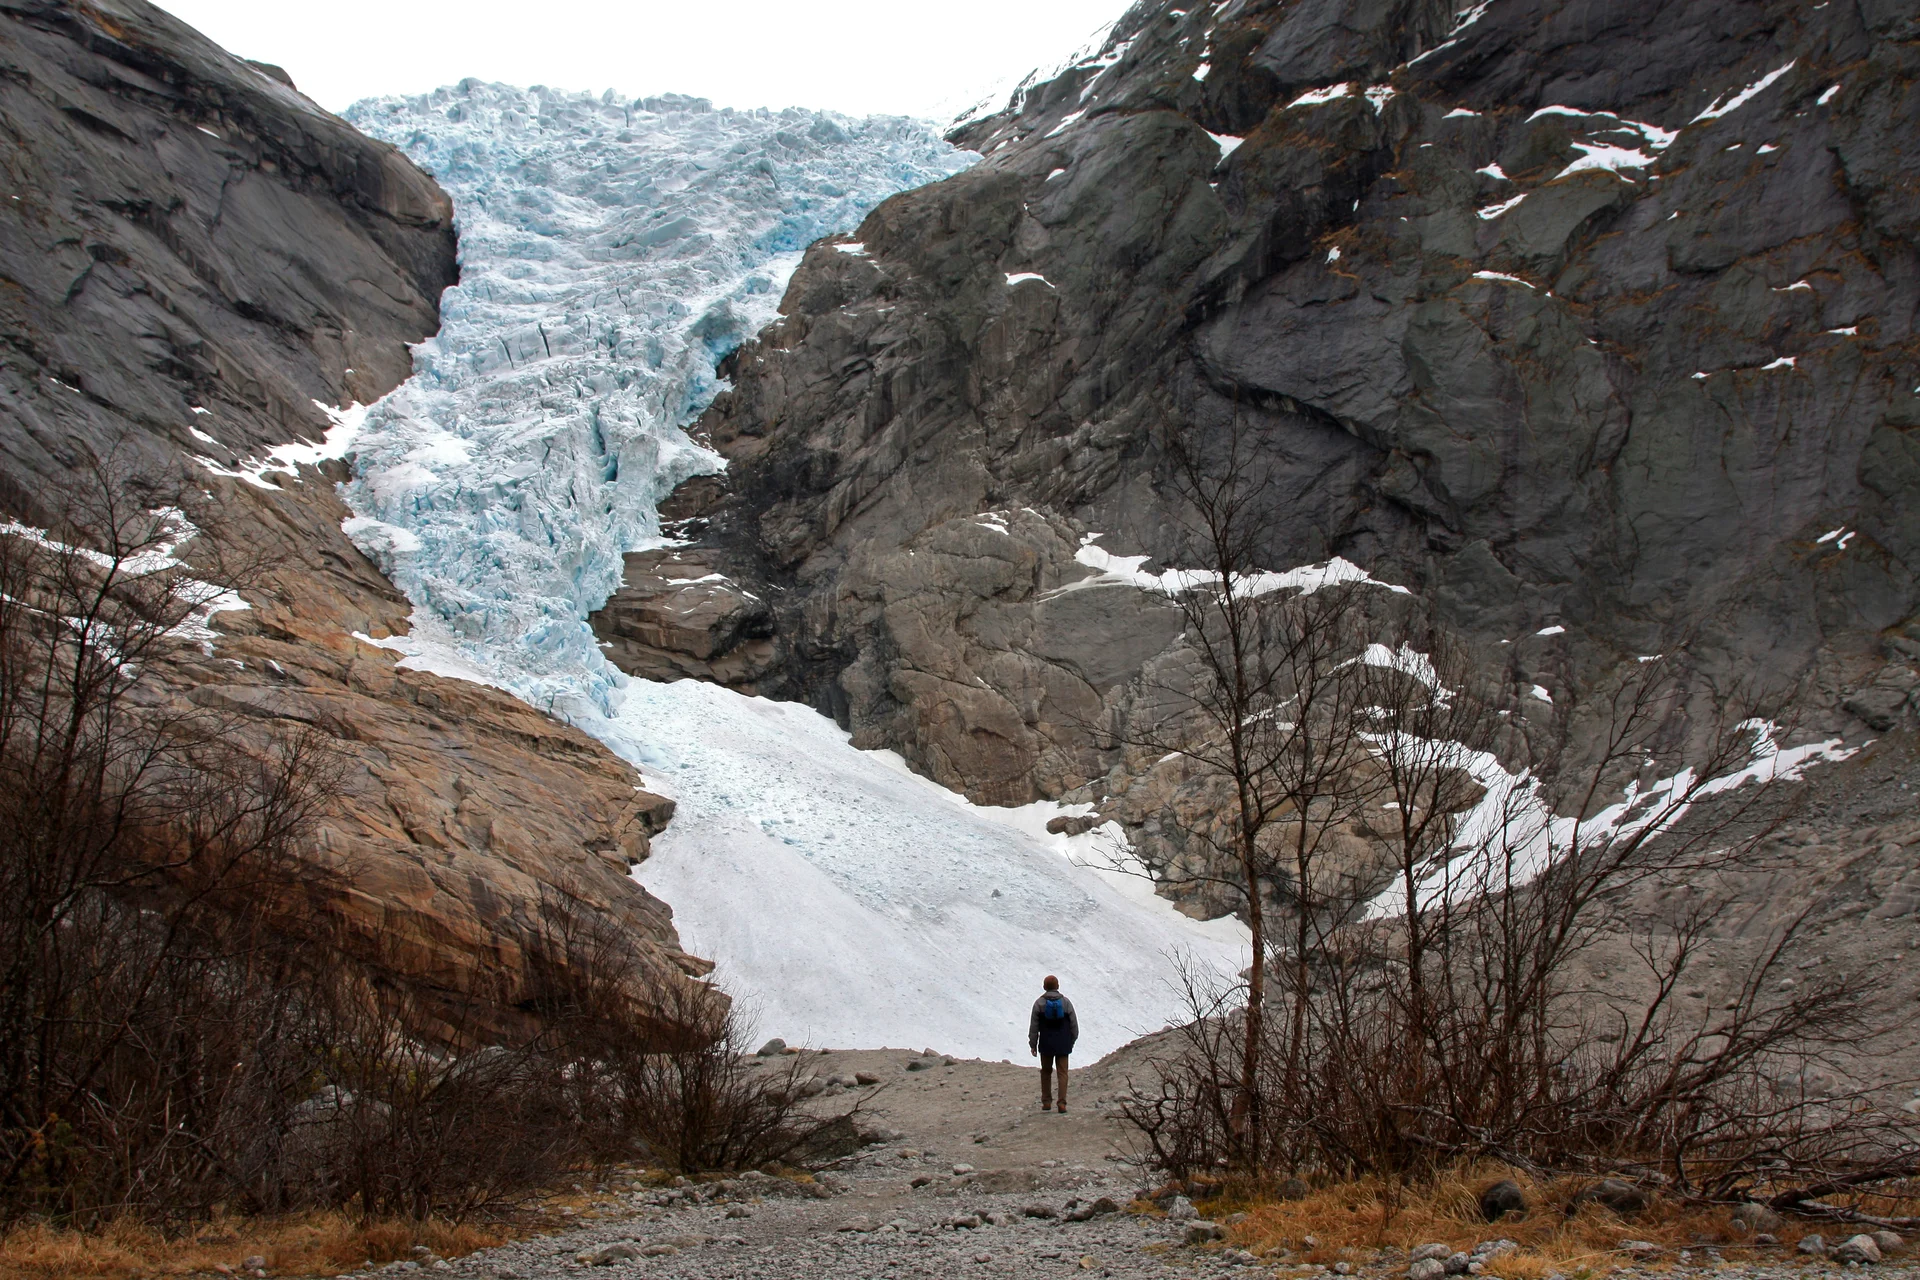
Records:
x=1293, y=1189
x=1201, y=1231
x=771, y=1049
x=1860, y=1248
x=1427, y=1269
x=1889, y=1242
x=1752, y=1217
x=965, y=1221
x=1432, y=1250
x=1765, y=1239
x=920, y=1180
x=1617, y=1194
x=1501, y=1199
x=739, y=1211
x=1456, y=1264
x=1086, y=1212
x=1813, y=1245
x=608, y=1254
x=864, y=1078
x=859, y=1222
x=1487, y=1250
x=1040, y=1211
x=660, y=1250
x=675, y=616
x=256, y=1262
x=1640, y=1248
x=1181, y=1210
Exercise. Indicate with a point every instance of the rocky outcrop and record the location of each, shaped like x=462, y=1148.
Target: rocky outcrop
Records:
x=192, y=255
x=1597, y=321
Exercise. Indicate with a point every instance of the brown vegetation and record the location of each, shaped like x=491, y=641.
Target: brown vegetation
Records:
x=1353, y=1220
x=299, y=1244
x=184, y=1034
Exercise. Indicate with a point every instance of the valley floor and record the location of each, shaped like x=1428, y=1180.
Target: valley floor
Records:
x=984, y=1157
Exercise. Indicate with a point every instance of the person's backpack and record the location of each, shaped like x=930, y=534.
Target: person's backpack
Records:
x=1053, y=1008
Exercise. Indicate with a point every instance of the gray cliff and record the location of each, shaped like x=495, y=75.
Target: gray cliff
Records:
x=1594, y=317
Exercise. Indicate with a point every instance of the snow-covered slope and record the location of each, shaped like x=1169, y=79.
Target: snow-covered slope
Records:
x=611, y=250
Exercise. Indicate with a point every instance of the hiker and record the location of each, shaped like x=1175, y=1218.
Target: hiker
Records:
x=1051, y=1032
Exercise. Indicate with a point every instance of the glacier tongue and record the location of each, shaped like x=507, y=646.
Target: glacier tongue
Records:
x=611, y=251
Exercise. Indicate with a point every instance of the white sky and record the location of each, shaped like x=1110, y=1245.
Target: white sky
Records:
x=904, y=57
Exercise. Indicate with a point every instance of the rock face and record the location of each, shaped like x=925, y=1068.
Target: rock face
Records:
x=193, y=255
x=183, y=229
x=1598, y=321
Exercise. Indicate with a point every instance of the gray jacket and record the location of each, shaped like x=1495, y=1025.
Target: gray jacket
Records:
x=1056, y=1037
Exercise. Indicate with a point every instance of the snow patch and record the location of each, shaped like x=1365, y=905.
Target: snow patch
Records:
x=1493, y=211
x=1016, y=277
x=1721, y=106
x=1306, y=579
x=1501, y=277
x=1511, y=828
x=1314, y=97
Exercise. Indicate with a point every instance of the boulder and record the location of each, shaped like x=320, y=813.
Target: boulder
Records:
x=1860, y=1248
x=608, y=1255
x=1617, y=1194
x=1501, y=1199
x=1201, y=1231
x=1814, y=1246
x=1099, y=1207
x=1750, y=1217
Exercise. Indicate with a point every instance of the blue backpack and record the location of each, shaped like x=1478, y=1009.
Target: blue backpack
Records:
x=1053, y=1008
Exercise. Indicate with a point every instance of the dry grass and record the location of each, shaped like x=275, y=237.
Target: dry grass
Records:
x=310, y=1244
x=1353, y=1221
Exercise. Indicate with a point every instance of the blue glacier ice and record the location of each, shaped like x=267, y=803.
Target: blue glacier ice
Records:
x=611, y=251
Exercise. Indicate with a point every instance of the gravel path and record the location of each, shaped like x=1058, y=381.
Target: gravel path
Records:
x=980, y=1184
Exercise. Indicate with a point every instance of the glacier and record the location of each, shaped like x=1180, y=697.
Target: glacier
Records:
x=611, y=251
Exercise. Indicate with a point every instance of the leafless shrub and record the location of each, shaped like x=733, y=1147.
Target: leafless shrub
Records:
x=669, y=1059
x=1419, y=1005
x=143, y=845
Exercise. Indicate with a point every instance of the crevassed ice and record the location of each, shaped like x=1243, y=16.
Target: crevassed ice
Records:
x=611, y=251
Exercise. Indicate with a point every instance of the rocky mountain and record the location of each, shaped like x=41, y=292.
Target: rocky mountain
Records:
x=1593, y=325
x=196, y=259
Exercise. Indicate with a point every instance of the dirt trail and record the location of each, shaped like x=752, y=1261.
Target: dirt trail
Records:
x=978, y=1183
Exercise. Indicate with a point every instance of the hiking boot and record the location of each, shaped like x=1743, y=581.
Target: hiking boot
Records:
x=1063, y=1108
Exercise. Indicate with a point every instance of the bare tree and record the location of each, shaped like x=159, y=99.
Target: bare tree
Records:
x=1266, y=720
x=143, y=843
